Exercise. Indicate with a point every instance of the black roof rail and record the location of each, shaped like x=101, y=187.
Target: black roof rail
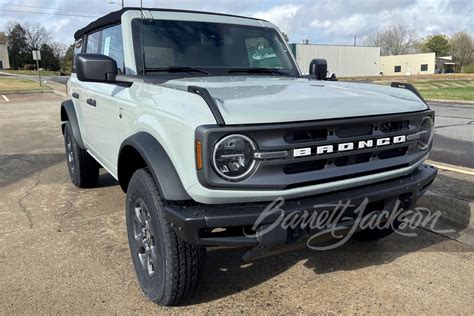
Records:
x=408, y=86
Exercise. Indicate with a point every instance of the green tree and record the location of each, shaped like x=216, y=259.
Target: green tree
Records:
x=48, y=60
x=17, y=46
x=438, y=44
x=67, y=59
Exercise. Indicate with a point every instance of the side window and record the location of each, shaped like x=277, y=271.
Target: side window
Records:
x=261, y=53
x=398, y=69
x=112, y=45
x=93, y=41
x=77, y=50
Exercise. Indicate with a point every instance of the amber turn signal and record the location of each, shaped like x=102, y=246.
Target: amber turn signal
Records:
x=198, y=155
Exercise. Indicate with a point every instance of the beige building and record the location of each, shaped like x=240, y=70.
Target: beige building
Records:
x=343, y=60
x=411, y=64
x=4, y=61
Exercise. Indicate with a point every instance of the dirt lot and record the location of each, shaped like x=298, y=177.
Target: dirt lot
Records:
x=64, y=250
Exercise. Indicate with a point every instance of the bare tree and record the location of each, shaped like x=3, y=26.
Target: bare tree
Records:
x=462, y=47
x=36, y=35
x=58, y=49
x=393, y=40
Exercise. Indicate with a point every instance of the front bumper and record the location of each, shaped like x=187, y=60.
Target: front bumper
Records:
x=224, y=224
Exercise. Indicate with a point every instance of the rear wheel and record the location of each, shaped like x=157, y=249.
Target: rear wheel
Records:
x=167, y=268
x=83, y=169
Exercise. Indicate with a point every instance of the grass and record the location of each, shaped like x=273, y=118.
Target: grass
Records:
x=33, y=72
x=457, y=87
x=446, y=89
x=16, y=84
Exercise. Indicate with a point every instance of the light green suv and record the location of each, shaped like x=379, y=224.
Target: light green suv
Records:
x=205, y=119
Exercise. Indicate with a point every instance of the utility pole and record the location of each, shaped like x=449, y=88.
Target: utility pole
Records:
x=355, y=40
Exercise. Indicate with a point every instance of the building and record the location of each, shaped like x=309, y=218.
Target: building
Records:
x=343, y=60
x=411, y=64
x=4, y=61
x=446, y=65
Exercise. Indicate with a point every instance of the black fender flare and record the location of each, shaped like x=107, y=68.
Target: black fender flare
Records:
x=158, y=162
x=68, y=113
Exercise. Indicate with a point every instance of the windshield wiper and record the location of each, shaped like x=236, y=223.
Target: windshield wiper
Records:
x=260, y=71
x=172, y=69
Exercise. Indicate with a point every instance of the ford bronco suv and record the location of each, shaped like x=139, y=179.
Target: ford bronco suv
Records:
x=205, y=119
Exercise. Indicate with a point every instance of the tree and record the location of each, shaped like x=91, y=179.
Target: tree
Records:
x=438, y=44
x=67, y=59
x=393, y=40
x=48, y=60
x=36, y=35
x=58, y=50
x=17, y=46
x=462, y=47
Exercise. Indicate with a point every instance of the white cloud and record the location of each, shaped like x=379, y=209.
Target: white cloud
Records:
x=322, y=21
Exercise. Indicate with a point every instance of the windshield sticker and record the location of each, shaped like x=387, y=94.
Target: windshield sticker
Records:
x=258, y=56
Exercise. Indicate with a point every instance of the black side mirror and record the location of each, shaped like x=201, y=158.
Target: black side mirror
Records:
x=95, y=68
x=318, y=68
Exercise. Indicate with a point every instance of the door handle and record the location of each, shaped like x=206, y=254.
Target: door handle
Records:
x=75, y=95
x=91, y=102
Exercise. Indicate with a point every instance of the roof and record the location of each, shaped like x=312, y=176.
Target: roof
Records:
x=115, y=18
x=3, y=38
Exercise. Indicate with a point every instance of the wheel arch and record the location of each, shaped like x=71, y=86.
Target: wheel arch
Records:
x=143, y=150
x=68, y=114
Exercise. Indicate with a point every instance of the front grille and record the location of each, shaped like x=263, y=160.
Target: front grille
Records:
x=319, y=167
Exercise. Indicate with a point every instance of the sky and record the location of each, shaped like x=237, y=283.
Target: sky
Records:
x=320, y=21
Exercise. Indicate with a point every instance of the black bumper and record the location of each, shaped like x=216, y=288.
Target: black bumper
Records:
x=224, y=224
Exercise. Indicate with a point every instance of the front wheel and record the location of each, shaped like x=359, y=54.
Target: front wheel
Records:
x=167, y=268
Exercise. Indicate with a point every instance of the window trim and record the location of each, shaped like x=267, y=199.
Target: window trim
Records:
x=399, y=68
x=421, y=67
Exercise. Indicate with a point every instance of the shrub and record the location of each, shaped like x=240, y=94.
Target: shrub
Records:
x=29, y=67
x=469, y=69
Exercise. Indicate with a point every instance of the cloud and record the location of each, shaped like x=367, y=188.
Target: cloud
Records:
x=320, y=21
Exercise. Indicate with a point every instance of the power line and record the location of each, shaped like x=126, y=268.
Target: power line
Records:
x=46, y=8
x=48, y=13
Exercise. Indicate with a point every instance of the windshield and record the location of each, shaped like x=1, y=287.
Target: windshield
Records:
x=204, y=48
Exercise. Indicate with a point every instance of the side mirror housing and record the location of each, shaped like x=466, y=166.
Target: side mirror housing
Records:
x=95, y=68
x=318, y=68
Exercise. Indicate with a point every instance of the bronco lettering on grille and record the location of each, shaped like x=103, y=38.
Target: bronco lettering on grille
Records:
x=327, y=149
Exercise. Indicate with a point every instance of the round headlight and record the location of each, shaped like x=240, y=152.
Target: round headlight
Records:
x=233, y=157
x=426, y=133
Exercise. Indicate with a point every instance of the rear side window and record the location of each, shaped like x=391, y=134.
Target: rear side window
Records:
x=93, y=42
x=112, y=45
x=78, y=45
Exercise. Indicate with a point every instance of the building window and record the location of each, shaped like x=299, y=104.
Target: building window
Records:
x=398, y=69
x=424, y=67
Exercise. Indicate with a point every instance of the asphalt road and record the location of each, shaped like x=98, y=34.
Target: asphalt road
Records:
x=64, y=250
x=454, y=134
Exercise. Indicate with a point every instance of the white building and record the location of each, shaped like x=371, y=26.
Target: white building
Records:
x=410, y=64
x=343, y=60
x=4, y=61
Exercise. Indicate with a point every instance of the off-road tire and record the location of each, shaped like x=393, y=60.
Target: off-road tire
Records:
x=177, y=265
x=83, y=169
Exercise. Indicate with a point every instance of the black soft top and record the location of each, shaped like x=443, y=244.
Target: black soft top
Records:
x=114, y=17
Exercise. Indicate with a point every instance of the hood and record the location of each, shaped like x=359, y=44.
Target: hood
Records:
x=257, y=100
